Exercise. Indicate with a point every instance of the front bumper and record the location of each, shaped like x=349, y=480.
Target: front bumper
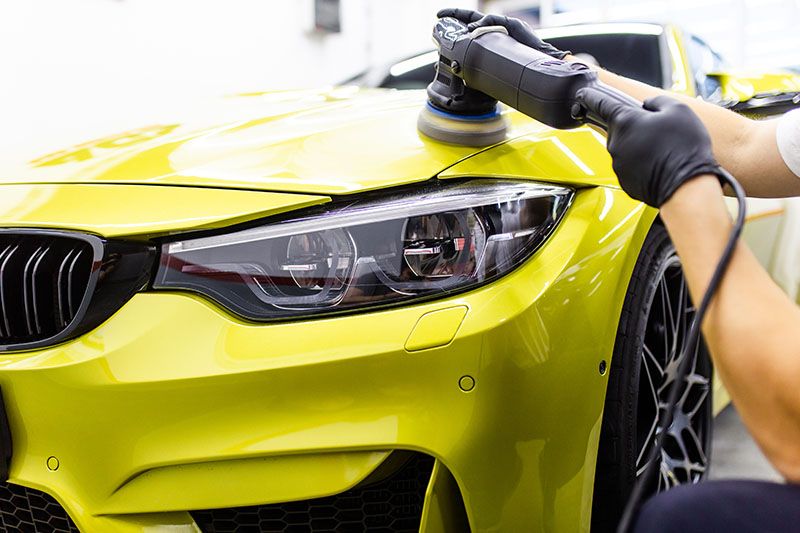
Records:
x=173, y=405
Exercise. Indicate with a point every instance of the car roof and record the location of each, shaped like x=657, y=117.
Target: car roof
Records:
x=602, y=28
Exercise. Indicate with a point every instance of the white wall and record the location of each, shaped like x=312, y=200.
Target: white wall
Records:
x=100, y=65
x=97, y=66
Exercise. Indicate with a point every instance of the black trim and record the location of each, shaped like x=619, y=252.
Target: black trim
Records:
x=118, y=270
x=764, y=105
x=28, y=510
x=389, y=500
x=6, y=445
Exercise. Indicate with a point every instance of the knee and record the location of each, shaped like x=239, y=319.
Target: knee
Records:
x=674, y=511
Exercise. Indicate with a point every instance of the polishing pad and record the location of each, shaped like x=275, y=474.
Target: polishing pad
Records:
x=466, y=130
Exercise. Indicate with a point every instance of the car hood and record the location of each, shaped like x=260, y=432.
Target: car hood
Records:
x=743, y=85
x=334, y=141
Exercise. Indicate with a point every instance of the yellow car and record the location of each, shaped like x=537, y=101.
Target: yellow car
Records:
x=300, y=314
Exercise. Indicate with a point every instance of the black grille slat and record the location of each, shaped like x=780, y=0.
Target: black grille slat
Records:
x=34, y=269
x=42, y=285
x=3, y=291
x=73, y=285
x=12, y=292
x=9, y=249
x=32, y=511
x=64, y=315
x=391, y=505
x=26, y=292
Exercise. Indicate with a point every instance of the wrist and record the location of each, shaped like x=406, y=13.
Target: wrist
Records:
x=698, y=199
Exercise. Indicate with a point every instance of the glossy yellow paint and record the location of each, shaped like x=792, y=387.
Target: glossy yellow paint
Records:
x=330, y=142
x=682, y=77
x=737, y=85
x=740, y=86
x=148, y=413
x=139, y=211
x=578, y=158
x=174, y=405
x=434, y=329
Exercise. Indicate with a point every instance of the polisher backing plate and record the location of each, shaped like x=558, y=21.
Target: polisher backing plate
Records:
x=465, y=130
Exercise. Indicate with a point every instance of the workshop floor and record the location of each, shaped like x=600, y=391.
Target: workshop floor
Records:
x=733, y=452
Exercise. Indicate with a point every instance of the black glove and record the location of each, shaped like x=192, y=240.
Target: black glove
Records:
x=517, y=29
x=656, y=148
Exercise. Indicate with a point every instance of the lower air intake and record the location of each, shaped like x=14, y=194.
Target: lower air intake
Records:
x=32, y=511
x=386, y=502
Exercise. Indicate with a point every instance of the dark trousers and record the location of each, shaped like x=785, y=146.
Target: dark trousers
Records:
x=723, y=507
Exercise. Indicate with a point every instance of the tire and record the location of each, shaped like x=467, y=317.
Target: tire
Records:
x=652, y=328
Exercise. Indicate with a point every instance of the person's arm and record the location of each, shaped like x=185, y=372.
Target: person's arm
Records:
x=746, y=148
x=752, y=328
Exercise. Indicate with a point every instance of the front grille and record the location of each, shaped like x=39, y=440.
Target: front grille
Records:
x=44, y=280
x=390, y=503
x=27, y=510
x=56, y=285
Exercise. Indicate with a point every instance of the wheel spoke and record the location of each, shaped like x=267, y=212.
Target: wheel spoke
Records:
x=701, y=452
x=649, y=356
x=669, y=318
x=652, y=384
x=646, y=445
x=684, y=305
x=663, y=297
x=696, y=380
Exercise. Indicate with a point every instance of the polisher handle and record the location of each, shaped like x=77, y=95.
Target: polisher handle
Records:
x=477, y=68
x=597, y=102
x=524, y=78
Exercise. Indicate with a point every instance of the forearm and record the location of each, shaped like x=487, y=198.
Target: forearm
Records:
x=752, y=328
x=745, y=148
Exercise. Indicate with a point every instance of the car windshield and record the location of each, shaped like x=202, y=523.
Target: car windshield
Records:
x=627, y=54
x=703, y=60
x=630, y=54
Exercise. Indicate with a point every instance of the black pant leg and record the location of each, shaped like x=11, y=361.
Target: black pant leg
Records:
x=723, y=507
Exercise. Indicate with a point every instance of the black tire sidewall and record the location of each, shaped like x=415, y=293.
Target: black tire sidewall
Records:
x=617, y=452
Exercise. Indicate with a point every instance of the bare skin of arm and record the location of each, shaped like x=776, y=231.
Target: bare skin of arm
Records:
x=752, y=328
x=746, y=148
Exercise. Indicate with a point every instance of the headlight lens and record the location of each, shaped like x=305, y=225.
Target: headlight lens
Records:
x=369, y=251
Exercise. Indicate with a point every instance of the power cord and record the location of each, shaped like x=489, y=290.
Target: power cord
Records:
x=652, y=464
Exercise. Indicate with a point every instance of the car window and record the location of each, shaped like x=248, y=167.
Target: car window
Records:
x=631, y=55
x=703, y=60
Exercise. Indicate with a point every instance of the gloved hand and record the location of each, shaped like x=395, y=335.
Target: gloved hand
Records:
x=656, y=148
x=517, y=29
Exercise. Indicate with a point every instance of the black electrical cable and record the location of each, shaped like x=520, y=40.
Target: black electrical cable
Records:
x=645, y=480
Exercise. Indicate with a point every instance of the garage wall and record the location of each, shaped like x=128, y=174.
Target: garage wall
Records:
x=97, y=65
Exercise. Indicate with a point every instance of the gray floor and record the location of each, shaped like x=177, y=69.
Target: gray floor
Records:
x=733, y=452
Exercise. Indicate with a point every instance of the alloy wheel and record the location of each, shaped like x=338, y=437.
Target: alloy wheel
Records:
x=685, y=457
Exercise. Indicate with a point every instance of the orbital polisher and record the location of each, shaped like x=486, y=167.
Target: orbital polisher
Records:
x=478, y=68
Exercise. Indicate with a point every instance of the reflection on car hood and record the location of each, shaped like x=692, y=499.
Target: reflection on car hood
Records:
x=742, y=85
x=335, y=141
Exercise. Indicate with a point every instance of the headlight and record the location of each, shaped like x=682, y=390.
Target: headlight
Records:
x=376, y=250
